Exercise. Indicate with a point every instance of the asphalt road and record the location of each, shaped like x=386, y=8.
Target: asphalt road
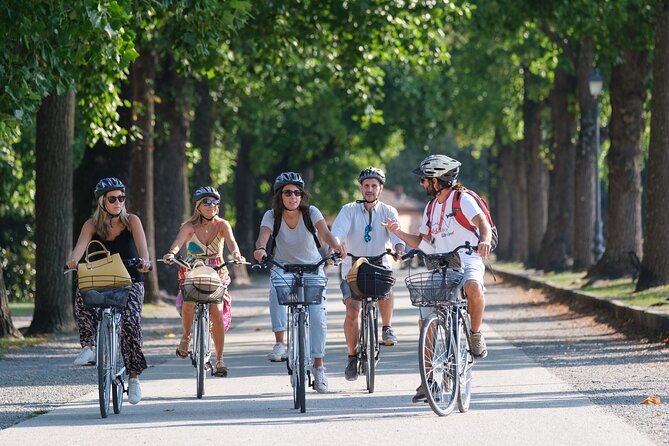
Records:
x=517, y=399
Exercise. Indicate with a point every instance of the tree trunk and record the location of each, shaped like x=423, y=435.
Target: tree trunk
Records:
x=502, y=208
x=53, y=214
x=170, y=170
x=202, y=134
x=246, y=229
x=655, y=263
x=140, y=188
x=537, y=181
x=584, y=180
x=623, y=235
x=518, y=195
x=7, y=328
x=557, y=244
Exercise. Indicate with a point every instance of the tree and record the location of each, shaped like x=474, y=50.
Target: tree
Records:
x=655, y=263
x=7, y=328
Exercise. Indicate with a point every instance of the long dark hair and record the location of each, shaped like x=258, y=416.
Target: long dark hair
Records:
x=277, y=201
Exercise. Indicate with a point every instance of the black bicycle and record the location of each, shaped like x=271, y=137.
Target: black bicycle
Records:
x=202, y=289
x=298, y=287
x=444, y=355
x=370, y=285
x=108, y=304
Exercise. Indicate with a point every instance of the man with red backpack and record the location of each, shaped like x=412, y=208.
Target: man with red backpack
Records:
x=444, y=231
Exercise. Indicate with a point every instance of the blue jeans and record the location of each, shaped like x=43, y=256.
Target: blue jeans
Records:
x=317, y=322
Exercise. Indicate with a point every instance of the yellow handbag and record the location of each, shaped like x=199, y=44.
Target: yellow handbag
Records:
x=107, y=272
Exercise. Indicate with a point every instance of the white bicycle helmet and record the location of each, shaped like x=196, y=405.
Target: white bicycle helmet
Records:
x=439, y=166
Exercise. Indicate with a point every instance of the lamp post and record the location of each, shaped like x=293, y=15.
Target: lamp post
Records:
x=595, y=84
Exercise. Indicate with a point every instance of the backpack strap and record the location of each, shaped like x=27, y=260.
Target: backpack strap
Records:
x=277, y=225
x=460, y=216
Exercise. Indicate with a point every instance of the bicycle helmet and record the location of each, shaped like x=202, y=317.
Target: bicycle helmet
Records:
x=439, y=166
x=372, y=172
x=288, y=178
x=108, y=184
x=205, y=191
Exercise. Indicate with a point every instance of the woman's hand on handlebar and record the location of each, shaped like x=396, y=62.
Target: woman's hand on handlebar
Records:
x=168, y=258
x=144, y=266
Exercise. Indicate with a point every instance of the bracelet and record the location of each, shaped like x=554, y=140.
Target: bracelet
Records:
x=261, y=249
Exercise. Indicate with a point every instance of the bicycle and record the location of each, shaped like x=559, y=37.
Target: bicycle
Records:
x=297, y=291
x=444, y=354
x=108, y=304
x=370, y=287
x=203, y=289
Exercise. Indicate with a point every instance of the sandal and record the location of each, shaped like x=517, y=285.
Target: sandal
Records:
x=182, y=349
x=221, y=369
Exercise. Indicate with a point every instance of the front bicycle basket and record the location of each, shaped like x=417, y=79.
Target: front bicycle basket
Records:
x=433, y=288
x=111, y=297
x=287, y=292
x=203, y=284
x=376, y=284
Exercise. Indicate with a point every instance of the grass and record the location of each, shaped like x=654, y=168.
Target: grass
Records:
x=21, y=309
x=618, y=289
x=9, y=343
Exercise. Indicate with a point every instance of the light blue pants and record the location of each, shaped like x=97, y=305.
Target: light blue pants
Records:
x=317, y=322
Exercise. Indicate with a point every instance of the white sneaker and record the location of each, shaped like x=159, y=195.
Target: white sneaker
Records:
x=134, y=391
x=86, y=357
x=320, y=380
x=278, y=353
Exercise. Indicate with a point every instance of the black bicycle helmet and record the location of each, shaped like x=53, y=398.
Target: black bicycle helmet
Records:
x=205, y=191
x=108, y=184
x=441, y=167
x=288, y=178
x=372, y=172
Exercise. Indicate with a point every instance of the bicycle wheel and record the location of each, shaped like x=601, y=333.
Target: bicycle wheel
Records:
x=104, y=366
x=371, y=346
x=117, y=385
x=437, y=364
x=293, y=359
x=465, y=362
x=301, y=368
x=200, y=353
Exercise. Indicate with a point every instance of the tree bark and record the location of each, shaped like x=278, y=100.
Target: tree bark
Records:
x=246, y=229
x=537, y=178
x=518, y=195
x=170, y=170
x=557, y=244
x=655, y=263
x=502, y=208
x=140, y=188
x=7, y=328
x=623, y=235
x=53, y=214
x=584, y=181
x=202, y=134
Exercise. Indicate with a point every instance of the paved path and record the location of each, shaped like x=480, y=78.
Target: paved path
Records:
x=514, y=400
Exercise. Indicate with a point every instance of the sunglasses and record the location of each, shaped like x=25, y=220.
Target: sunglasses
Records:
x=288, y=193
x=113, y=198
x=368, y=229
x=210, y=202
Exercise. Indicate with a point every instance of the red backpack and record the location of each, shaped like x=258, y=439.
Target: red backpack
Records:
x=460, y=217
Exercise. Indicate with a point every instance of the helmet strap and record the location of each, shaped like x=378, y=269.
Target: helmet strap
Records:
x=367, y=201
x=202, y=217
x=111, y=216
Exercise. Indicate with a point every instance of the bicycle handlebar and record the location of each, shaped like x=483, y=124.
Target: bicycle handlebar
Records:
x=376, y=258
x=184, y=263
x=468, y=248
x=133, y=262
x=297, y=267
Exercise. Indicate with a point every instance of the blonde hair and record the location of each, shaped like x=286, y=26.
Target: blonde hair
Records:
x=101, y=220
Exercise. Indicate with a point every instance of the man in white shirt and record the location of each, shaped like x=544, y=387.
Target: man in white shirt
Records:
x=438, y=176
x=359, y=227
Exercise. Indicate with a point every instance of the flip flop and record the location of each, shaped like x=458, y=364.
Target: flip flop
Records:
x=221, y=370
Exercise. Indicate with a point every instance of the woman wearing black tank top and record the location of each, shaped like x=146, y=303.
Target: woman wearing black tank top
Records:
x=121, y=233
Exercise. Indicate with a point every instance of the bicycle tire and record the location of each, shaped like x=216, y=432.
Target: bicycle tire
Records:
x=465, y=362
x=117, y=385
x=371, y=346
x=301, y=369
x=437, y=360
x=103, y=361
x=200, y=354
x=293, y=358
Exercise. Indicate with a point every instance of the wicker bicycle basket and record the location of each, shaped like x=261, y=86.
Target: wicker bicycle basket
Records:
x=287, y=292
x=434, y=288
